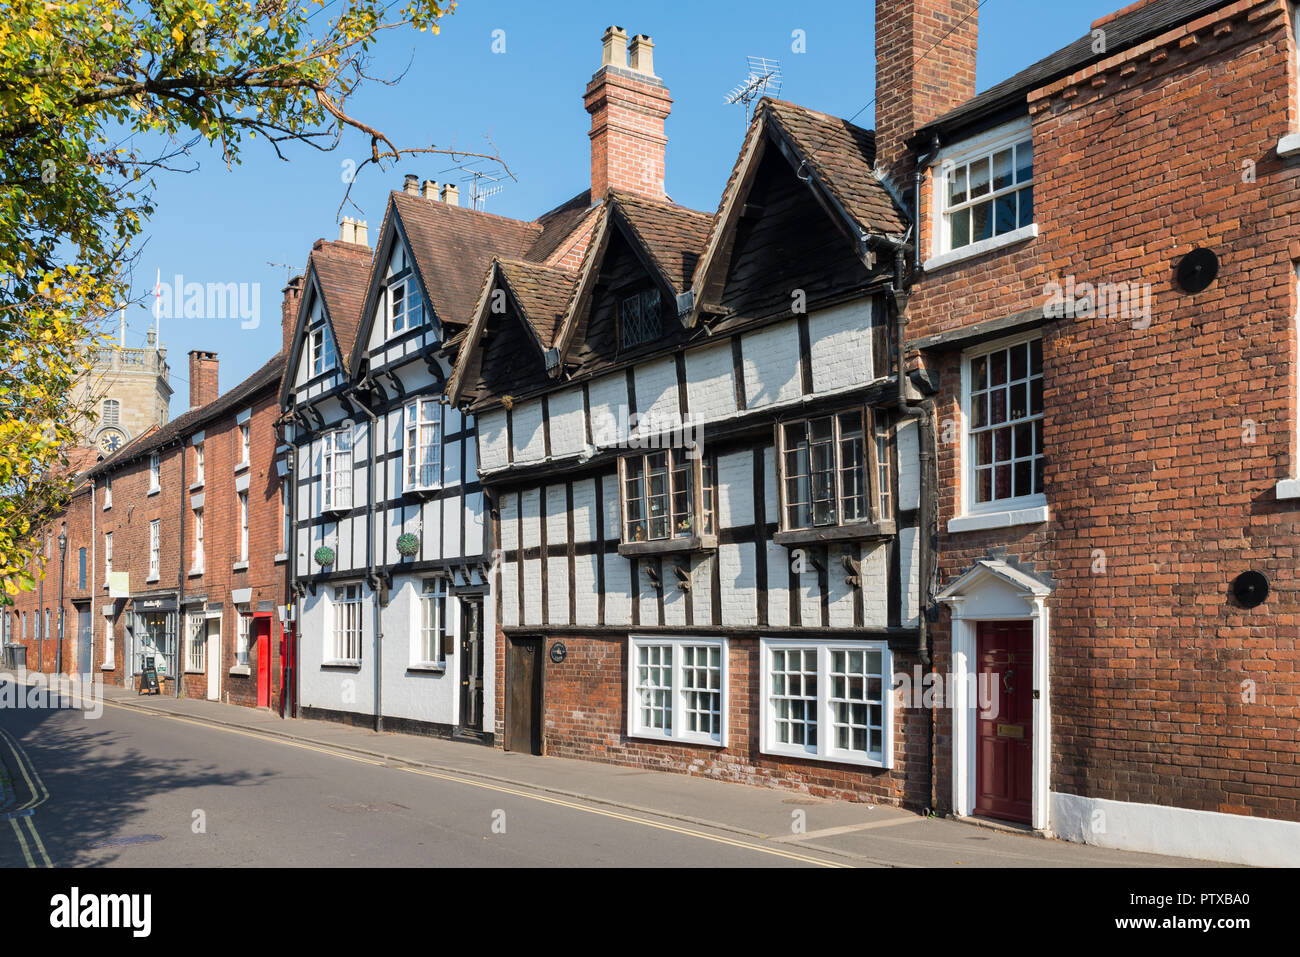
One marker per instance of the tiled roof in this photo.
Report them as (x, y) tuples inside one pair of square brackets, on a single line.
[(672, 235), (843, 156), (342, 270), (557, 225), (1124, 31), (267, 377), (543, 294), (453, 247)]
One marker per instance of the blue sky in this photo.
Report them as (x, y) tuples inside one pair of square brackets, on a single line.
[(256, 222)]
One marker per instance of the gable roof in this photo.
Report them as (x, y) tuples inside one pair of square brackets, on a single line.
[(558, 225), (671, 235), (1124, 30), (267, 377)]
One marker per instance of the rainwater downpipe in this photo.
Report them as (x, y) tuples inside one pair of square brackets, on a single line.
[(371, 575)]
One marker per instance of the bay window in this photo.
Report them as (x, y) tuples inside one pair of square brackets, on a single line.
[(423, 444), (678, 689), (336, 471), (827, 701)]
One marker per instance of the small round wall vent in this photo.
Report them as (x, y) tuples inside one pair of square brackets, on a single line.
[(1197, 270), (1250, 588)]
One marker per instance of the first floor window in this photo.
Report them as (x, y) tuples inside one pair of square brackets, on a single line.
[(108, 491), (1004, 415), (347, 623), (198, 463), (198, 539), (155, 472), (433, 621), (827, 700), (987, 195), (244, 445), (826, 467), (108, 556), (678, 689), (244, 625), (196, 642), (423, 443), (155, 546), (659, 496), (284, 507), (243, 526), (336, 470)]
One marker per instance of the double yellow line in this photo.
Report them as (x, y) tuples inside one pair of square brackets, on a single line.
[(37, 796), (514, 792)]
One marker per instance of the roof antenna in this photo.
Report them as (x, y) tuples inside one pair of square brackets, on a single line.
[(477, 179), (764, 79)]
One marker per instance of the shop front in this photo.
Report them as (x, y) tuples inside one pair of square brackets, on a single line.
[(153, 628)]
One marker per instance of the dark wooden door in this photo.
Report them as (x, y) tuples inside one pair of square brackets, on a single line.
[(1004, 742), (471, 663), (263, 629), (524, 695)]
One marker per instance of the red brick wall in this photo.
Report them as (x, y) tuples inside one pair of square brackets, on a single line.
[(584, 716), (1148, 466), (628, 142)]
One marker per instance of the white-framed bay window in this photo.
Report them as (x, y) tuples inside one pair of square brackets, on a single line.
[(344, 634), (1002, 434), (423, 429), (827, 700), (983, 195), (677, 689), (336, 470)]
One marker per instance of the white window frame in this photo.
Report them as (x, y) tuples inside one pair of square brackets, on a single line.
[(155, 549), (825, 749), (243, 629), (155, 472), (336, 463), (677, 691), (245, 444), (985, 145), (198, 540), (423, 458), (1026, 509), (339, 637), (408, 285), (108, 557), (431, 602), (1289, 488), (198, 463), (324, 355), (108, 492), (196, 643), (243, 525)]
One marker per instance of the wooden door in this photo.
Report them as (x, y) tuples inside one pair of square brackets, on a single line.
[(524, 695), (471, 663), (262, 626), (83, 641), (1004, 741)]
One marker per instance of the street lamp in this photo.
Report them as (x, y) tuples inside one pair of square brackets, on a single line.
[(63, 554)]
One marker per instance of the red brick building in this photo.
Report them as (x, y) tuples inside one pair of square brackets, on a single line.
[(175, 553)]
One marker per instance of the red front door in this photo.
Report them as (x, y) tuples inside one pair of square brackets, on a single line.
[(263, 627), (1004, 741)]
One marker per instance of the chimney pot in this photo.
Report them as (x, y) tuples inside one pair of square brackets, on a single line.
[(641, 54), (412, 184), (203, 377), (614, 47), (450, 194), (359, 228), (347, 230), (429, 189)]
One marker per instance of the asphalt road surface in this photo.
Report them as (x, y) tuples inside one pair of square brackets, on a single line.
[(136, 790)]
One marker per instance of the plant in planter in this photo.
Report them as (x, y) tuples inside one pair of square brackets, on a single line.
[(324, 555), (408, 544)]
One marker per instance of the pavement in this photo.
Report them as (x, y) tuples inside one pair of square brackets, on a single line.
[(653, 817)]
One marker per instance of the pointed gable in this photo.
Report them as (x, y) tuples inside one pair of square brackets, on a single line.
[(334, 289)]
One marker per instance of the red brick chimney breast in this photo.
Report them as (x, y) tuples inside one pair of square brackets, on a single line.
[(628, 106), (289, 312), (203, 378), (925, 66)]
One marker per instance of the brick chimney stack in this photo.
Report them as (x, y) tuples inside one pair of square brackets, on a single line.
[(628, 106), (203, 378), (289, 311), (925, 66)]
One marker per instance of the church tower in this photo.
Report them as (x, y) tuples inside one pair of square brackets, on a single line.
[(128, 391)]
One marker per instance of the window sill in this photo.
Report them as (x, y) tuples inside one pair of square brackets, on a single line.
[(349, 665), (427, 667), (151, 580), (805, 755), (241, 467), (1288, 489), (1289, 146), (1007, 519), (152, 491), (239, 567), (196, 486), (108, 666), (684, 742), (241, 671), (981, 248), (669, 546), (195, 572), (108, 506), (195, 671), (280, 558), (855, 531), (421, 491)]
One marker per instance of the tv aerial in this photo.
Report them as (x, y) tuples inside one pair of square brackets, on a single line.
[(763, 79), (481, 185)]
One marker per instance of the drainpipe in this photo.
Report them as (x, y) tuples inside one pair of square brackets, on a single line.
[(371, 575), (180, 588), (289, 654)]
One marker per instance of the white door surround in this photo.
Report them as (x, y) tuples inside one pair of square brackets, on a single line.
[(993, 590), (213, 631)]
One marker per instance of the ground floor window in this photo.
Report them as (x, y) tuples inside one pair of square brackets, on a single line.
[(155, 643), (346, 630), (432, 645), (678, 689), (245, 623), (827, 700), (196, 633)]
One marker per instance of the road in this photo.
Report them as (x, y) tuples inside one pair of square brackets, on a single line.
[(138, 790)]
